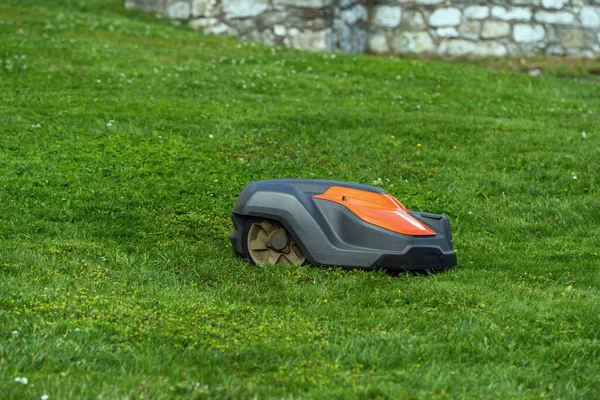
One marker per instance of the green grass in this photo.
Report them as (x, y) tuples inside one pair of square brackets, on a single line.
[(125, 140), (566, 67)]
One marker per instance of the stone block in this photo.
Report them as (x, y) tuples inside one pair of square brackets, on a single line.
[(266, 36), (484, 48), (201, 23), (301, 3), (447, 32), (512, 14), (477, 12), (429, 2), (244, 8), (272, 18), (315, 22), (445, 17), (554, 4), (590, 17), (245, 27), (219, 29), (524, 33), (557, 17), (156, 6), (490, 48), (355, 14), (412, 42), (457, 47), (470, 30), (346, 3), (413, 21), (311, 40), (584, 53), (378, 44), (591, 54), (525, 48), (204, 8), (348, 38), (387, 16), (573, 38), (179, 10), (495, 29), (555, 50), (530, 3), (279, 30)]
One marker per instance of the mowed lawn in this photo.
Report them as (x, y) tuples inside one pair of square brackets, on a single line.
[(125, 140)]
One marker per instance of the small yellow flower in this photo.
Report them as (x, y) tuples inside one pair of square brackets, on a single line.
[(393, 137), (454, 147), (418, 144), (325, 301)]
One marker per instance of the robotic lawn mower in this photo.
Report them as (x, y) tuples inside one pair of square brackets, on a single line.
[(325, 222)]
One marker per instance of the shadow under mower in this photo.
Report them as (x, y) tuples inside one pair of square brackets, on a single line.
[(326, 222)]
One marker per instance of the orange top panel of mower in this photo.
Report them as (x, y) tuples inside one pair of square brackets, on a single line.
[(382, 210)]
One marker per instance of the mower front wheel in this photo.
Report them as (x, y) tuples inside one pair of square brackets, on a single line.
[(267, 242)]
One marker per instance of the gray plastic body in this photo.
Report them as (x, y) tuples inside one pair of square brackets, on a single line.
[(328, 233)]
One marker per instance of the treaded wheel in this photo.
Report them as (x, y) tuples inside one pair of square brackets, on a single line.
[(267, 242)]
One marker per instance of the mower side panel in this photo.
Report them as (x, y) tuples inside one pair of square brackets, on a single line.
[(385, 248), (330, 234), (297, 212)]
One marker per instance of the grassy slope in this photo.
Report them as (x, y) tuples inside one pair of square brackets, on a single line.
[(115, 265)]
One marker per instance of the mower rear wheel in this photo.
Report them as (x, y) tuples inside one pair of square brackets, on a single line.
[(267, 242)]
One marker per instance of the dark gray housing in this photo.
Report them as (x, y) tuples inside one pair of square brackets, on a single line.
[(328, 233)]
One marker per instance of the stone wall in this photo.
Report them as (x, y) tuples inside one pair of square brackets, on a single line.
[(449, 28), (498, 28)]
